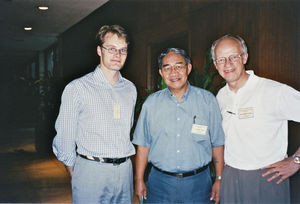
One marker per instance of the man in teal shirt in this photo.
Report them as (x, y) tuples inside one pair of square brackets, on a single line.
[(179, 131)]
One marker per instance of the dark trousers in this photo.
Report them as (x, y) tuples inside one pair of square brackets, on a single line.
[(163, 188)]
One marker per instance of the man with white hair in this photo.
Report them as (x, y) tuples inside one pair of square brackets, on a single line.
[(255, 113)]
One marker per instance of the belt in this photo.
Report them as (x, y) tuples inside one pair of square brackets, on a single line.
[(115, 161), (181, 175)]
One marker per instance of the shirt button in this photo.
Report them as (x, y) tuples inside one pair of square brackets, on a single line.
[(178, 104), (178, 135), (178, 151), (178, 118), (178, 167)]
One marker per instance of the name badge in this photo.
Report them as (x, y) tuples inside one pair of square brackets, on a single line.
[(245, 113), (117, 111), (199, 129)]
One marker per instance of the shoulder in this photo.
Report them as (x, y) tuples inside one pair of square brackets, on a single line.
[(82, 80), (269, 83), (156, 97), (221, 92), (78, 84), (129, 83), (202, 94), (201, 91), (130, 86)]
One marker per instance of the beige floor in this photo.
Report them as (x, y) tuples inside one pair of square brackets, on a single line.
[(28, 177)]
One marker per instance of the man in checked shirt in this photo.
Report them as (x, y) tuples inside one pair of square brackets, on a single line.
[(93, 126)]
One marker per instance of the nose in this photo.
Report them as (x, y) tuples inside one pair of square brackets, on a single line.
[(118, 53), (227, 62), (173, 70)]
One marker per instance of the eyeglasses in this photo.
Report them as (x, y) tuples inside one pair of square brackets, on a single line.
[(177, 67), (114, 51), (231, 58)]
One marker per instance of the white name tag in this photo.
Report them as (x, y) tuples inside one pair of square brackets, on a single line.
[(199, 129), (245, 113), (117, 111)]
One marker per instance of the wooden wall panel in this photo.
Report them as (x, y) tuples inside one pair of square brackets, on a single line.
[(279, 42), (269, 27)]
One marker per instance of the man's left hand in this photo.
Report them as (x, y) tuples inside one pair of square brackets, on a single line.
[(215, 194), (283, 169)]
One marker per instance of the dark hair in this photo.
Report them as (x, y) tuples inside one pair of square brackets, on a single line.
[(115, 29), (176, 50)]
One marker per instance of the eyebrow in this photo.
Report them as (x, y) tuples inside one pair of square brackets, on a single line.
[(109, 45), (165, 65)]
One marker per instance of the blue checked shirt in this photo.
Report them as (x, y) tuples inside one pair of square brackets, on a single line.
[(86, 121), (165, 126)]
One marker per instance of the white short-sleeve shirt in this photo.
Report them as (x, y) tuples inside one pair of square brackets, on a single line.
[(255, 121)]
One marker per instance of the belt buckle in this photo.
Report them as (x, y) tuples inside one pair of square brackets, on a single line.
[(115, 162), (179, 175)]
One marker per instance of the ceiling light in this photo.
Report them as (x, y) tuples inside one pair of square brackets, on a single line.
[(27, 28), (43, 8)]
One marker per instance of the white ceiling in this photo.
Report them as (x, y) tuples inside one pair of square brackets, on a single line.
[(17, 45)]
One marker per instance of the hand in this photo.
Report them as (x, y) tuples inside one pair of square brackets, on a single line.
[(215, 193), (140, 189), (70, 171), (284, 168)]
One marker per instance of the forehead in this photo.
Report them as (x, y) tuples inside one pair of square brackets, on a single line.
[(115, 40), (172, 58), (227, 46)]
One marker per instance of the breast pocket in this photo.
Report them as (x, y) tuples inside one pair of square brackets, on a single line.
[(200, 138), (200, 131)]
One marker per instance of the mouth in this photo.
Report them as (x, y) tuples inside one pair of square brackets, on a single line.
[(116, 61), (228, 71), (174, 79)]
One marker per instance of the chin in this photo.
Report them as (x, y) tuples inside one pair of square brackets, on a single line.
[(116, 68)]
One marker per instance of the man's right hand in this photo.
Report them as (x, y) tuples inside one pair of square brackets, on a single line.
[(70, 170), (140, 189)]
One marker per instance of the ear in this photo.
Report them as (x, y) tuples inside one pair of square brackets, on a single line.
[(245, 58), (159, 70), (99, 52), (215, 64), (189, 69)]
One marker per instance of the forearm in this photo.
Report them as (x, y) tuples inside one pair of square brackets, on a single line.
[(218, 159), (141, 162), (297, 153)]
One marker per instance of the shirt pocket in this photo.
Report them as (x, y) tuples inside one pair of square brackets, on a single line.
[(200, 138), (200, 133)]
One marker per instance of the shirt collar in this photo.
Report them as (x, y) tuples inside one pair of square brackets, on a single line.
[(100, 78), (250, 83), (183, 98)]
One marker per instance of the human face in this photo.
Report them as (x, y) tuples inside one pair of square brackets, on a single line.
[(108, 61), (176, 80), (233, 71)]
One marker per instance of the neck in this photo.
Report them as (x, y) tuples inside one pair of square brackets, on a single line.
[(111, 75), (236, 85), (179, 93)]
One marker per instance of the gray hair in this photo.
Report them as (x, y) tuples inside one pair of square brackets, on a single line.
[(236, 38), (176, 50)]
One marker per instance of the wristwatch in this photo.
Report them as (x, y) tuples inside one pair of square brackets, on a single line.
[(218, 177), (296, 159)]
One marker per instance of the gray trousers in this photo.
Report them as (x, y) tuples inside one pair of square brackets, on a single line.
[(101, 183), (241, 186)]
